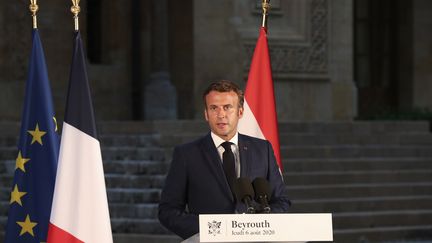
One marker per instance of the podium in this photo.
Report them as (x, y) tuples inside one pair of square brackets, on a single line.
[(264, 228)]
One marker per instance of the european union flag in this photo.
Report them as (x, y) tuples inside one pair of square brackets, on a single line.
[(36, 161)]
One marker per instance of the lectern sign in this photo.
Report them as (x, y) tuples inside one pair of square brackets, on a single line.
[(265, 227)]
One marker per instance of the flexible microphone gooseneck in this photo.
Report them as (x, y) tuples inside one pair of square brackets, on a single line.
[(262, 193), (244, 193)]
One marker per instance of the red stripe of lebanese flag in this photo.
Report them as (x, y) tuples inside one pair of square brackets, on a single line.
[(259, 117)]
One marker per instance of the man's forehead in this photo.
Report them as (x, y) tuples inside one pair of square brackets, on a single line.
[(222, 97)]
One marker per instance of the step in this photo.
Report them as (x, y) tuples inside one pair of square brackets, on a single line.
[(295, 139), (135, 167), (363, 176), (358, 163), (353, 220), (129, 140), (137, 226), (417, 233), (360, 204), (136, 210), (3, 222), (6, 180), (133, 153), (356, 127), (132, 196), (134, 181), (5, 192), (358, 190), (145, 238), (8, 153), (149, 127), (354, 151), (4, 208), (9, 141), (7, 166), (10, 128)]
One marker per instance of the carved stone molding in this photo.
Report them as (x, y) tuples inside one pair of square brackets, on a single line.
[(306, 59)]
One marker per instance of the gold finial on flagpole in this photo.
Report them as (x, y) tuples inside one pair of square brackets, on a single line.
[(265, 8), (75, 9), (33, 9)]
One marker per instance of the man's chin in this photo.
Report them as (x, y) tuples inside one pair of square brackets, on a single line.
[(224, 135)]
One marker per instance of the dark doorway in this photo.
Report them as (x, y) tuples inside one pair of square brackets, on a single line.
[(376, 56)]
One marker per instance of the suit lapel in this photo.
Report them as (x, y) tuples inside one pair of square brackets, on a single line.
[(243, 145), (214, 162)]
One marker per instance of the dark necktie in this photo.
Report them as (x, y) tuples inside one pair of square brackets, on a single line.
[(229, 164)]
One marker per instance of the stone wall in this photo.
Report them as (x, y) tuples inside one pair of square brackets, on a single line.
[(422, 54), (110, 81), (310, 44)]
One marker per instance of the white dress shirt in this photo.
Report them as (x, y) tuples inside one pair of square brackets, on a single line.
[(234, 147)]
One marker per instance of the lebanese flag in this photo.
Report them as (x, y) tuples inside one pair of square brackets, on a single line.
[(80, 207), (259, 116)]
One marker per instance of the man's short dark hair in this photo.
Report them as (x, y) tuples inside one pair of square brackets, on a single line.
[(224, 86)]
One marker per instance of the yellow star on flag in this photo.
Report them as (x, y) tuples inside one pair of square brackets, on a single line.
[(16, 195), (37, 135), (20, 162), (27, 226)]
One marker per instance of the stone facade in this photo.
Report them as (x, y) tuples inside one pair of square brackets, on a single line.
[(311, 45)]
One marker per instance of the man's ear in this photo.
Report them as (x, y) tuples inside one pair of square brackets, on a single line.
[(240, 112), (205, 114)]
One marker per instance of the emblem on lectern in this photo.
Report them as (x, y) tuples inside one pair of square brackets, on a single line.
[(214, 227)]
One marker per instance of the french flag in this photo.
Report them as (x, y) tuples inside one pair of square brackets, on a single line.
[(259, 116), (80, 206)]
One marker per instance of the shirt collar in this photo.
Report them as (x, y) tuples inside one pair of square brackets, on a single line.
[(218, 141)]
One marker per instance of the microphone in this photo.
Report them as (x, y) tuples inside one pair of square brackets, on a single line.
[(244, 193), (262, 193)]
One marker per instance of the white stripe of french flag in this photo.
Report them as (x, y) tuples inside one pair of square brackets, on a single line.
[(80, 208)]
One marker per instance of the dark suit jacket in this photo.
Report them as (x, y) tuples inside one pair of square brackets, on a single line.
[(196, 183)]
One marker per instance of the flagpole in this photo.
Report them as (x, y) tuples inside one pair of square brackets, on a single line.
[(33, 9), (265, 8), (75, 9)]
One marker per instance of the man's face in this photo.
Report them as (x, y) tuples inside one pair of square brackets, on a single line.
[(222, 112)]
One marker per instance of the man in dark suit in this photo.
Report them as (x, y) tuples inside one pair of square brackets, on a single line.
[(197, 182)]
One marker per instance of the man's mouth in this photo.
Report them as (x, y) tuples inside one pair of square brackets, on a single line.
[(221, 124)]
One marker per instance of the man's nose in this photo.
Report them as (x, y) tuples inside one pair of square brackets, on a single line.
[(221, 113)]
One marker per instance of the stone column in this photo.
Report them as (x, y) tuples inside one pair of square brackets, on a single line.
[(160, 95)]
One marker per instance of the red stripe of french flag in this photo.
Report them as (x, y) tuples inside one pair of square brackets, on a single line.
[(59, 235), (259, 117)]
